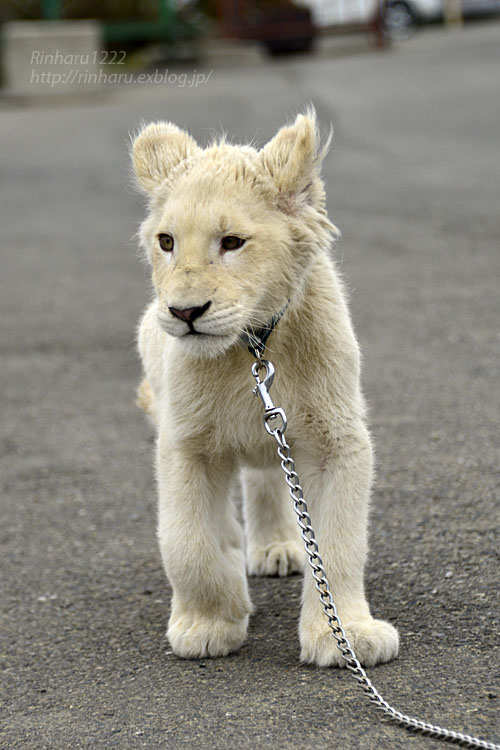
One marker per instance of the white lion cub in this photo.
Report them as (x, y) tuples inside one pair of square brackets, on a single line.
[(236, 236)]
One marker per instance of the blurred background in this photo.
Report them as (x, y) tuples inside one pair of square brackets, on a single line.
[(412, 90), (190, 29)]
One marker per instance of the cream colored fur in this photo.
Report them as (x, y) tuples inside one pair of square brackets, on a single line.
[(199, 388)]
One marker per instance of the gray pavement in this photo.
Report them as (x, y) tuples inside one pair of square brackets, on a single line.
[(413, 185)]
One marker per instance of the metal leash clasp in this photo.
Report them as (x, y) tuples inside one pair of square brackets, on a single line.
[(272, 412)]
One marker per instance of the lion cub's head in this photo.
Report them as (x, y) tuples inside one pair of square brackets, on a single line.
[(231, 230)]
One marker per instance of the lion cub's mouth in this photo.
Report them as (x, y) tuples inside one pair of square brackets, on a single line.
[(170, 326), (195, 332), (204, 334), (210, 336)]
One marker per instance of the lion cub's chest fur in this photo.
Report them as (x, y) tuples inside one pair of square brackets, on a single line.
[(207, 405)]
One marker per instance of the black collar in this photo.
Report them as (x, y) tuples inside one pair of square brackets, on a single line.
[(256, 340)]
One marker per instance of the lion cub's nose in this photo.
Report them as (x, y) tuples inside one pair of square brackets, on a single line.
[(190, 313)]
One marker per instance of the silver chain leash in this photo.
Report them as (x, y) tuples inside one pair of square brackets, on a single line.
[(275, 423)]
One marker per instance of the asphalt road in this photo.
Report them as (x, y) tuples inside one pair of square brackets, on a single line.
[(413, 185)]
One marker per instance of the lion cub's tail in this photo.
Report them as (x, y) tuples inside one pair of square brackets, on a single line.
[(146, 399)]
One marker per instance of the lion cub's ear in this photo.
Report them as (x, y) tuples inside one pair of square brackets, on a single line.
[(158, 148), (293, 161)]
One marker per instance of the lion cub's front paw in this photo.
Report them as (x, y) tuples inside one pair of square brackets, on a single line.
[(196, 637), (373, 641), (277, 559)]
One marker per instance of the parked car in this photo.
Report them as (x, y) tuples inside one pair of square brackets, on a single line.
[(399, 18)]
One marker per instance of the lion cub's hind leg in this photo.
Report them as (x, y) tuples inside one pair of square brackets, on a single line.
[(145, 399), (273, 543)]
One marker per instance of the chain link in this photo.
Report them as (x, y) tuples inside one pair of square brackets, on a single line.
[(272, 415)]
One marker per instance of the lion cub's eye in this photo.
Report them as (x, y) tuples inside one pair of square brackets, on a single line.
[(232, 243), (166, 242)]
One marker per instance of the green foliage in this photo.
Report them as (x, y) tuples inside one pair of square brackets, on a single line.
[(106, 10)]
